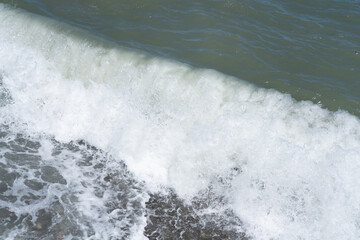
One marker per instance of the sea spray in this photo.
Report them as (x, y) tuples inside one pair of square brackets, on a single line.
[(287, 169)]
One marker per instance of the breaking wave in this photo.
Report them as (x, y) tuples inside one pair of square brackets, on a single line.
[(284, 169)]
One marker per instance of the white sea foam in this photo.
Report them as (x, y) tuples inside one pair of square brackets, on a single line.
[(182, 127)]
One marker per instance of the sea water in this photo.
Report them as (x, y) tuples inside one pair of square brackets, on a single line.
[(179, 120)]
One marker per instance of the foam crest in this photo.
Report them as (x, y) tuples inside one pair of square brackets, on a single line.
[(286, 167)]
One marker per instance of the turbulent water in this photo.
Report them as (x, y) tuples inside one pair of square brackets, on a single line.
[(179, 120)]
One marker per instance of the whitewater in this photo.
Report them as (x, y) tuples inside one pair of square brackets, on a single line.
[(252, 161)]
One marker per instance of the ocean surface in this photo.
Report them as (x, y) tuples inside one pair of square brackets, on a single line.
[(183, 119)]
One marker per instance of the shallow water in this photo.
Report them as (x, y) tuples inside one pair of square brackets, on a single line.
[(106, 138), (71, 192)]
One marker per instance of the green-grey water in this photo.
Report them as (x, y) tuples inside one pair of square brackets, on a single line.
[(309, 49), (176, 119)]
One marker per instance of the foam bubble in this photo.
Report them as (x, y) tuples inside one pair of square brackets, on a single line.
[(51, 190), (290, 168)]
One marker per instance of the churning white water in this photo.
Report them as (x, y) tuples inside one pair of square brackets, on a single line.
[(289, 170)]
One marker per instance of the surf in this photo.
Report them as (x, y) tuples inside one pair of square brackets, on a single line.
[(284, 167)]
